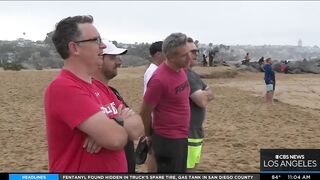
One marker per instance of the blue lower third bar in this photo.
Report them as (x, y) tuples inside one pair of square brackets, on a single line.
[(33, 176)]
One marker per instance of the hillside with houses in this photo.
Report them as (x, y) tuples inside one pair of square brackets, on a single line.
[(42, 54)]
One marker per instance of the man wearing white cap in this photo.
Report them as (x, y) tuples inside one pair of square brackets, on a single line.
[(107, 71), (111, 62)]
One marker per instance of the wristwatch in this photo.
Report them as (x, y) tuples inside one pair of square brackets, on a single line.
[(118, 120)]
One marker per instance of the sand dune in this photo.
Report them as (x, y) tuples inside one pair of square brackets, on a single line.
[(237, 126)]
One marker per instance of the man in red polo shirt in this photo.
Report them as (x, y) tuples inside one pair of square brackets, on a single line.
[(77, 107)]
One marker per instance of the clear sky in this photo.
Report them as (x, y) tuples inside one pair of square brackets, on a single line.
[(219, 22)]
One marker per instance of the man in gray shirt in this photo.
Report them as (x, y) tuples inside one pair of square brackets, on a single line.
[(200, 96)]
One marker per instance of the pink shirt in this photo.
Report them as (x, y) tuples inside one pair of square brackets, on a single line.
[(68, 102), (169, 91)]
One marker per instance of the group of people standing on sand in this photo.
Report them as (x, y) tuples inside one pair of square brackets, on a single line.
[(91, 128)]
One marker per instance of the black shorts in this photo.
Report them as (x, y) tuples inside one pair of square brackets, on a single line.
[(131, 160), (171, 154)]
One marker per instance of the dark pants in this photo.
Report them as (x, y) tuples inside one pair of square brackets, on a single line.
[(129, 150), (171, 154), (210, 60), (204, 61)]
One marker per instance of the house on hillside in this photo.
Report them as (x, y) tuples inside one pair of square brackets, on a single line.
[(8, 57)]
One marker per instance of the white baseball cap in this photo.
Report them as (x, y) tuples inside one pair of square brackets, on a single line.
[(111, 49)]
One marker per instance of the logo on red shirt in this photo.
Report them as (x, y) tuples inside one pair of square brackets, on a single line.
[(181, 87), (109, 109)]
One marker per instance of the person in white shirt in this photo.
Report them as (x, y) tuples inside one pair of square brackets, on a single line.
[(157, 58)]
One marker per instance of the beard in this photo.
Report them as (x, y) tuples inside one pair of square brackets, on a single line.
[(110, 74)]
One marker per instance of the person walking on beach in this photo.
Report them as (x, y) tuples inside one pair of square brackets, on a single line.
[(200, 96), (261, 63), (204, 58), (211, 54), (270, 80), (247, 58), (78, 107), (108, 70), (166, 103), (157, 59)]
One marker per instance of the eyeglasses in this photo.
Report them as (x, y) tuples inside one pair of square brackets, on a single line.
[(97, 40), (195, 51)]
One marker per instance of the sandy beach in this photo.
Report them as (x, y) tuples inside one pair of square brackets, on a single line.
[(238, 122)]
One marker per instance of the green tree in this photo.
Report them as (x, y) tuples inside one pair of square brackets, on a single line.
[(48, 39), (115, 43), (44, 52), (6, 47), (24, 53)]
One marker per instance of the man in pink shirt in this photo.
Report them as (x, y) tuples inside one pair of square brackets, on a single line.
[(167, 97), (78, 108)]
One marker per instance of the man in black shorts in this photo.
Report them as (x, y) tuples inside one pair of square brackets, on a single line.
[(167, 100)]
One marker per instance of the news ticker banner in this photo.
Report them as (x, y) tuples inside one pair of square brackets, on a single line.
[(231, 176), (202, 176), (275, 164)]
